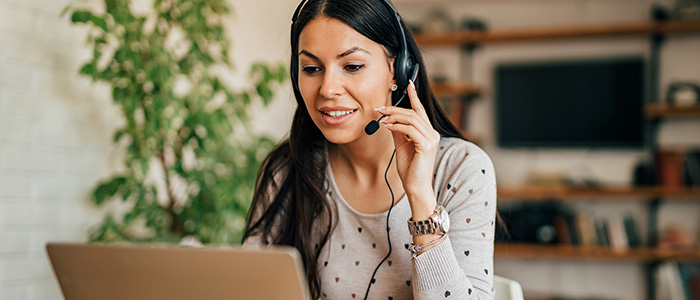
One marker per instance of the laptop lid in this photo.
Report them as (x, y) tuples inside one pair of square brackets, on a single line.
[(93, 271)]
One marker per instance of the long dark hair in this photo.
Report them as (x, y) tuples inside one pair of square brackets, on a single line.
[(290, 204)]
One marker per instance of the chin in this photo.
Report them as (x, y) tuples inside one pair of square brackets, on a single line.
[(339, 136), (342, 134), (340, 139)]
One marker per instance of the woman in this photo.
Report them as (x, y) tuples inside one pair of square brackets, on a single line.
[(329, 190)]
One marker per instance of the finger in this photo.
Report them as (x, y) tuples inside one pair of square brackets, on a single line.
[(408, 132), (393, 115), (408, 118), (393, 111), (389, 110), (398, 137), (415, 100)]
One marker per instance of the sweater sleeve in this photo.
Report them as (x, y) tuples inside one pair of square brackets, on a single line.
[(461, 267)]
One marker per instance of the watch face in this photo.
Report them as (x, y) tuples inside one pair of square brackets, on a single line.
[(445, 220)]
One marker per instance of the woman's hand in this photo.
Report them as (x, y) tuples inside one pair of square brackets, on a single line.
[(416, 144)]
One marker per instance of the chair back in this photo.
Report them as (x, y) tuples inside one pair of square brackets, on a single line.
[(507, 289)]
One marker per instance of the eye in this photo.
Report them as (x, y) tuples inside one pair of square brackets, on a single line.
[(310, 70), (354, 68)]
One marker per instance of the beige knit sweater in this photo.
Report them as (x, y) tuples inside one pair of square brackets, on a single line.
[(461, 267)]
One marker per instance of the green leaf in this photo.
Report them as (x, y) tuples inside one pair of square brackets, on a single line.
[(265, 93), (245, 98), (108, 189), (282, 73), (90, 70), (81, 16), (118, 135), (65, 10), (108, 231), (99, 22), (132, 215)]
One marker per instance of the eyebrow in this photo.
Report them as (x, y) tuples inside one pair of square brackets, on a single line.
[(346, 53)]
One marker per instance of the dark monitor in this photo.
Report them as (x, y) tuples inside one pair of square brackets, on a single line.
[(573, 104)]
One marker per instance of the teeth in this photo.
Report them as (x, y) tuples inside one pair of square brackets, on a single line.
[(338, 113)]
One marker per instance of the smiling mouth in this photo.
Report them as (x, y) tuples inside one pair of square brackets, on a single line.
[(338, 113)]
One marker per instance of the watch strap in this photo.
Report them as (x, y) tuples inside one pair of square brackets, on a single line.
[(429, 226), (422, 227)]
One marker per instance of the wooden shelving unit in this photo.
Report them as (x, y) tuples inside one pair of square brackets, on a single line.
[(455, 97), (461, 92), (569, 193), (594, 253), (455, 89), (557, 33), (666, 111)]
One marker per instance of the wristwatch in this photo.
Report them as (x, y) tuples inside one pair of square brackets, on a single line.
[(437, 223)]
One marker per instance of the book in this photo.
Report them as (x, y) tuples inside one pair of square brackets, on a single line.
[(561, 226), (669, 282), (601, 229), (633, 238), (690, 279), (616, 233), (692, 168), (573, 233), (695, 286), (585, 229)]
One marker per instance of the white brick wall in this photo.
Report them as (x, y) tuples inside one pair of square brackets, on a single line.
[(56, 129), (55, 142)]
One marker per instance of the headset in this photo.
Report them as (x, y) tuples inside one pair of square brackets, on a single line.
[(406, 67)]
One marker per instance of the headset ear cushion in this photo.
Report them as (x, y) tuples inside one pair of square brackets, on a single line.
[(403, 70)]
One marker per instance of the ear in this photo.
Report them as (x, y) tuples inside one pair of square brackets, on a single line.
[(392, 71)]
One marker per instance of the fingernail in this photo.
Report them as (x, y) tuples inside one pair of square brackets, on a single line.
[(413, 86), (389, 125), (380, 108)]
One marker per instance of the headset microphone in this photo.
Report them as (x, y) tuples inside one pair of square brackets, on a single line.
[(373, 126)]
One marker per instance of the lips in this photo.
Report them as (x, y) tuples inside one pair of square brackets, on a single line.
[(336, 115)]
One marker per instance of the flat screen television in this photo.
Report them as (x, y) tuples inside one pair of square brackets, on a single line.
[(571, 104)]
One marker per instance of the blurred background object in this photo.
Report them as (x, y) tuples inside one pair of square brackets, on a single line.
[(683, 93), (437, 20), (687, 10)]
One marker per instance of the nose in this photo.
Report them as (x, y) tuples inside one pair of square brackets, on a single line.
[(332, 85)]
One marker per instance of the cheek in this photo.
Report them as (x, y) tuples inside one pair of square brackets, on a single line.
[(308, 92), (376, 92)]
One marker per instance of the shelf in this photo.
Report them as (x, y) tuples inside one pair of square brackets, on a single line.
[(454, 89), (665, 111), (557, 33), (538, 193), (593, 253)]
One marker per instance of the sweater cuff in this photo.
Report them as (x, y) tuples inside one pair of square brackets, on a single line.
[(436, 266)]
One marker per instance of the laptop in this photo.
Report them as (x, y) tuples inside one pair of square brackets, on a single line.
[(108, 272)]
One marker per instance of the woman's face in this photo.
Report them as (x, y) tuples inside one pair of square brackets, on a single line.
[(343, 76)]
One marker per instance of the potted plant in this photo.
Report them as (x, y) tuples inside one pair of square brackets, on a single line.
[(190, 156)]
